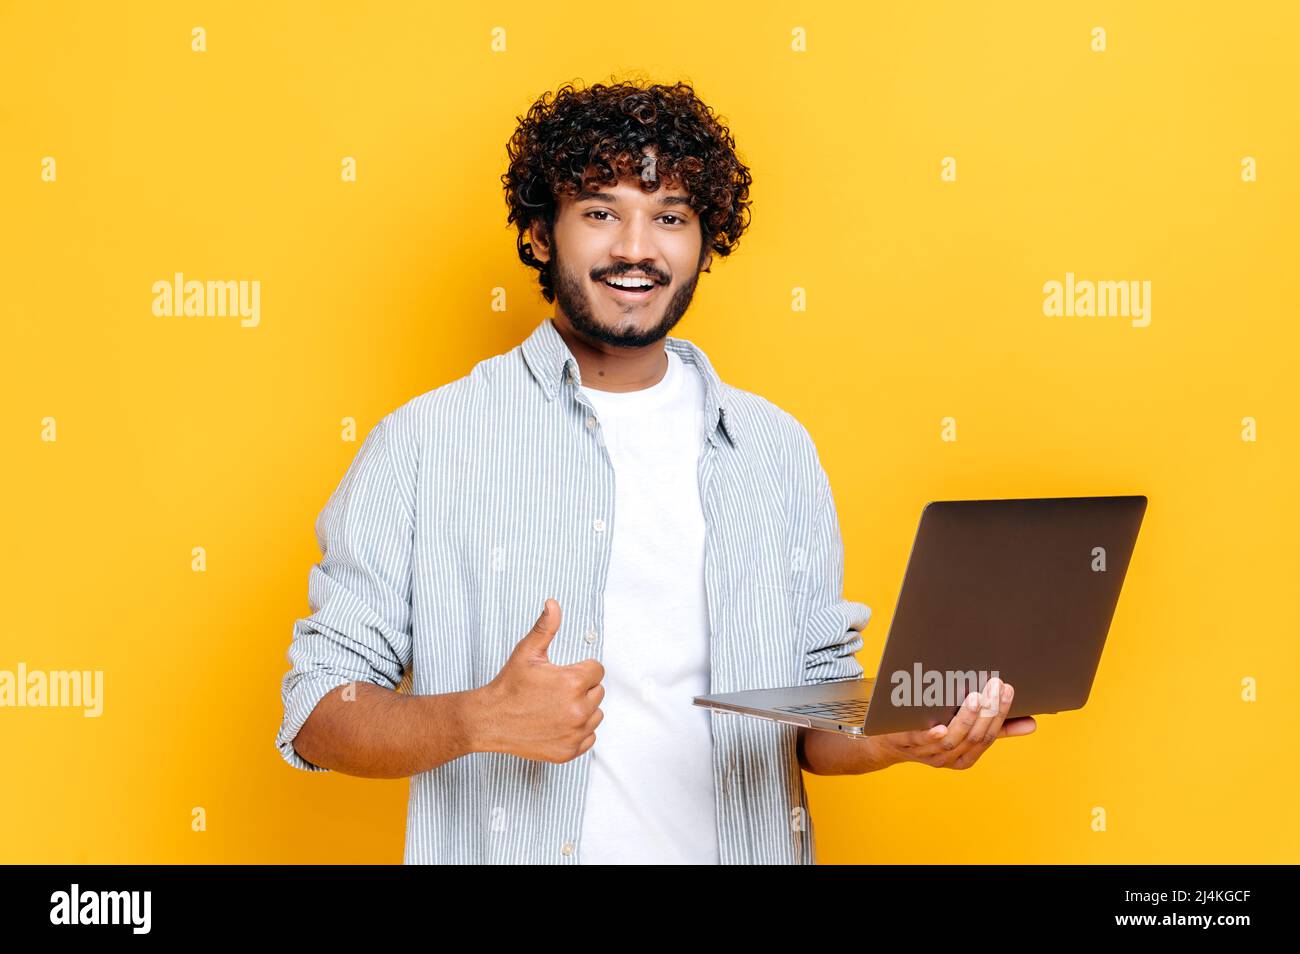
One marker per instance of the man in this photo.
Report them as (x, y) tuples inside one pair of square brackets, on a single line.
[(563, 547)]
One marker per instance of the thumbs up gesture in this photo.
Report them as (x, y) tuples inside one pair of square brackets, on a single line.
[(536, 709)]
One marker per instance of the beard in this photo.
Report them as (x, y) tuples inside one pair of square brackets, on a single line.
[(574, 294)]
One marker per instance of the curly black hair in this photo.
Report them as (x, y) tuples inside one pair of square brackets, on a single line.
[(612, 129)]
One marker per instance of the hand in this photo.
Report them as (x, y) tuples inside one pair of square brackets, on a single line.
[(535, 709), (960, 743)]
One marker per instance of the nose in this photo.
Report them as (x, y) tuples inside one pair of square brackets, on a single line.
[(633, 242)]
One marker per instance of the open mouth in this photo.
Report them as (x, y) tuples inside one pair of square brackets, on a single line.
[(630, 293)]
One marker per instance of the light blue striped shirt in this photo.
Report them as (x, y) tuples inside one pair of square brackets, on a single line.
[(469, 505)]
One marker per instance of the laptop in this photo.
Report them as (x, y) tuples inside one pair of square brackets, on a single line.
[(1022, 589)]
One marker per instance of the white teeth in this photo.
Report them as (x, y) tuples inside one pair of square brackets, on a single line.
[(630, 282)]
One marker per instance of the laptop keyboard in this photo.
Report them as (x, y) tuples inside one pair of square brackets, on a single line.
[(847, 710)]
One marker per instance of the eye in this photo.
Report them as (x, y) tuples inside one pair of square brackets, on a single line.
[(677, 219)]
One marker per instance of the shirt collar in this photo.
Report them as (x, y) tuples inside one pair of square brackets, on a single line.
[(554, 366)]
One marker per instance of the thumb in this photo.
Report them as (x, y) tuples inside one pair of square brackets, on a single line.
[(537, 639), (1021, 725)]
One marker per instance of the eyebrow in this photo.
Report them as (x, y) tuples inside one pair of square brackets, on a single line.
[(610, 197)]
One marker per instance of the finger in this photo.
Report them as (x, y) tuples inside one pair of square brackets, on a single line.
[(922, 744), (1021, 725), (934, 747), (965, 759), (990, 700), (986, 729), (1000, 713), (968, 754), (591, 669), (961, 724), (919, 739), (1008, 696)]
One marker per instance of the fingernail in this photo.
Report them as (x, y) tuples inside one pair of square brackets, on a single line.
[(973, 701), (1006, 693)]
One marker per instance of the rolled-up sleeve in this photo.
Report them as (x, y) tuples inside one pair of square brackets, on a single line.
[(359, 593), (833, 629)]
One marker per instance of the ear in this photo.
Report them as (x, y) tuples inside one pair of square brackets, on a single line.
[(539, 240)]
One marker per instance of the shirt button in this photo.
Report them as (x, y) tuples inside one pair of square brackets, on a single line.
[(599, 525), (590, 636), (566, 848), (591, 422)]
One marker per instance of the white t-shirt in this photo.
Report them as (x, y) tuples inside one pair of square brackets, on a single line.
[(650, 798)]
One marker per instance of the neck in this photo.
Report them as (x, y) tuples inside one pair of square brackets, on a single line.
[(608, 367)]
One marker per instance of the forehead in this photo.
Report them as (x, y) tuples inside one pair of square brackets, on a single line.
[(629, 190)]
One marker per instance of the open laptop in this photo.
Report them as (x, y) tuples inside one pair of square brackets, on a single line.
[(1024, 589)]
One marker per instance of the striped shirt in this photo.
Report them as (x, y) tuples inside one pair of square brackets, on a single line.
[(469, 505)]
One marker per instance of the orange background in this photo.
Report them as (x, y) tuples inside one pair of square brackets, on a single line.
[(924, 302)]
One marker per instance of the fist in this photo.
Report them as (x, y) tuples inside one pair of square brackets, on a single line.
[(538, 710)]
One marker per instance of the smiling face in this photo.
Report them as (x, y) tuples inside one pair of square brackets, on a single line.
[(621, 233)]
